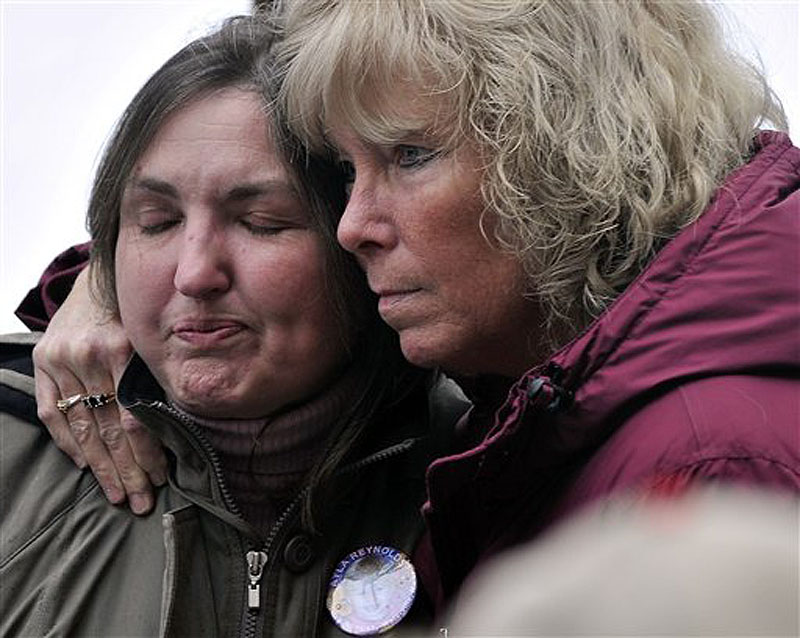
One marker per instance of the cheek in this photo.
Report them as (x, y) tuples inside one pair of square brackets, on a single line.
[(291, 283), (301, 316), (126, 265), (313, 300), (455, 251), (447, 220), (140, 282)]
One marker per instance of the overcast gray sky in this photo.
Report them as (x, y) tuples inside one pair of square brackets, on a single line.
[(68, 68)]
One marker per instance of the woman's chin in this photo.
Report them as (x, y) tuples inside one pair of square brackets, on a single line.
[(425, 350), (210, 394)]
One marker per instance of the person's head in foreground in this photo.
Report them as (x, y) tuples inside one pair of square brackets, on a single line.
[(690, 566), (515, 165)]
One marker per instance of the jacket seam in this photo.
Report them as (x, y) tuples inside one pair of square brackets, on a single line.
[(53, 521), (690, 417), (712, 236), (707, 459)]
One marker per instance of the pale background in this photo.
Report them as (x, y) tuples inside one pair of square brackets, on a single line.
[(68, 69)]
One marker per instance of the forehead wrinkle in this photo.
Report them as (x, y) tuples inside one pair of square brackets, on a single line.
[(153, 185), (382, 125), (245, 191)]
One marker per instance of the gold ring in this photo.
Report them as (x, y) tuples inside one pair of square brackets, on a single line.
[(91, 401), (65, 404)]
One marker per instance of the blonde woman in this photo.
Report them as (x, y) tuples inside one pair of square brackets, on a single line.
[(576, 197)]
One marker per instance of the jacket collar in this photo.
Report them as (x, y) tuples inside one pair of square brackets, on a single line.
[(395, 431)]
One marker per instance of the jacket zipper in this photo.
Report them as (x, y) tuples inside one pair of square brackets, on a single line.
[(255, 570), (257, 559), (209, 451)]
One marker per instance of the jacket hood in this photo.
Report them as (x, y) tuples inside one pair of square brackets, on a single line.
[(722, 298)]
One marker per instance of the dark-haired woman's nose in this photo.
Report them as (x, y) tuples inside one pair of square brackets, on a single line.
[(203, 268)]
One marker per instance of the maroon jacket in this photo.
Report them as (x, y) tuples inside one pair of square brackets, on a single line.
[(693, 374), (41, 302)]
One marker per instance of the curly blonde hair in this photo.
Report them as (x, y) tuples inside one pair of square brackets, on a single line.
[(606, 126)]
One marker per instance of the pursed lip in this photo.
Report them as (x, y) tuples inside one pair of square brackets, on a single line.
[(389, 297), (206, 332)]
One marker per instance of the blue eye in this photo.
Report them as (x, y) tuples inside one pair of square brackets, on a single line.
[(409, 156)]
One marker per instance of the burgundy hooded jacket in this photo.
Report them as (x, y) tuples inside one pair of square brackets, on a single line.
[(693, 374)]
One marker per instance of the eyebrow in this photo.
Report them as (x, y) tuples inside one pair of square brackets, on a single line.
[(238, 193), (156, 186), (248, 191)]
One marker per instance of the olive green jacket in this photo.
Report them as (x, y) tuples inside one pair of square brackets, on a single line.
[(71, 564)]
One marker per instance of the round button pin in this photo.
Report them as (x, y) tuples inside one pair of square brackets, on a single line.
[(371, 590)]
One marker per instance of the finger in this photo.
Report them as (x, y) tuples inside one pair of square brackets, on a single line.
[(135, 480), (147, 450), (106, 446), (55, 421), (86, 433)]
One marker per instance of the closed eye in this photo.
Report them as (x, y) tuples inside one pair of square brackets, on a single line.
[(260, 224), (156, 229), (154, 221)]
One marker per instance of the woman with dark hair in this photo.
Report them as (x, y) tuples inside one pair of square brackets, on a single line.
[(295, 433)]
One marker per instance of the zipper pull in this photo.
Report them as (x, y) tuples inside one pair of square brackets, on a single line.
[(255, 570)]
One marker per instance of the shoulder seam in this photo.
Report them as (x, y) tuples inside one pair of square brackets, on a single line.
[(32, 539), (18, 381), (727, 458)]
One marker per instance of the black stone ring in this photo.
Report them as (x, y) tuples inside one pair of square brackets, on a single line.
[(92, 401)]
